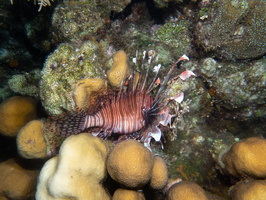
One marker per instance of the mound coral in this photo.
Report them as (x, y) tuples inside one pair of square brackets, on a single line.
[(186, 190), (159, 175), (247, 158), (30, 140), (130, 163), (249, 190), (15, 112), (124, 194), (17, 182), (77, 171), (119, 70)]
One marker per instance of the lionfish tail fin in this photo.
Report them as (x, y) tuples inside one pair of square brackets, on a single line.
[(69, 123)]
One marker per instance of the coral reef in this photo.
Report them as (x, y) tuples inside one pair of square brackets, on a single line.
[(77, 171), (30, 140), (17, 182), (246, 158), (248, 190), (15, 112), (233, 29), (63, 69), (223, 104), (130, 163), (186, 190)]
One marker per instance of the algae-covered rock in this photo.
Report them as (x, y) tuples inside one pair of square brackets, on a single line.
[(176, 35), (233, 29), (236, 85), (26, 84), (111, 5), (169, 40), (76, 21), (63, 69)]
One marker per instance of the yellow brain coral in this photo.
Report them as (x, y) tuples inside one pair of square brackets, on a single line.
[(249, 190), (186, 190), (124, 194), (159, 176), (247, 158), (15, 112), (30, 140), (130, 163), (120, 69), (77, 172)]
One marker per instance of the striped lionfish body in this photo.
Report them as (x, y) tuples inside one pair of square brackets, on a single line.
[(133, 113), (124, 115)]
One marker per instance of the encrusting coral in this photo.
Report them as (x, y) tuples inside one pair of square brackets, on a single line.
[(130, 163), (247, 158), (186, 190), (125, 194), (16, 182), (15, 112), (30, 140), (77, 171)]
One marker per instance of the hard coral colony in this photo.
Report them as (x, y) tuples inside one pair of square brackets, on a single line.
[(135, 111)]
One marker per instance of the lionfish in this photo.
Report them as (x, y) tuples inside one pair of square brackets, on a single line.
[(135, 112)]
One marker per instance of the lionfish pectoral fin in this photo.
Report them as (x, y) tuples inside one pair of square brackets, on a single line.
[(186, 74), (156, 134)]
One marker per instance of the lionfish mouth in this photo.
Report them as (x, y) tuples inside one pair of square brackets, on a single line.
[(135, 111)]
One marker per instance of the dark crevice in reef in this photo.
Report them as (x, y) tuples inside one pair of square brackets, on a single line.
[(158, 15)]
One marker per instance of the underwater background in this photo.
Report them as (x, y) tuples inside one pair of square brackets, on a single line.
[(51, 53)]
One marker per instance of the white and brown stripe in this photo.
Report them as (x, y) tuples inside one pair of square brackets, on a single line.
[(124, 115)]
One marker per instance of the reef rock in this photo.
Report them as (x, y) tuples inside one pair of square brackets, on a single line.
[(233, 29), (63, 69)]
